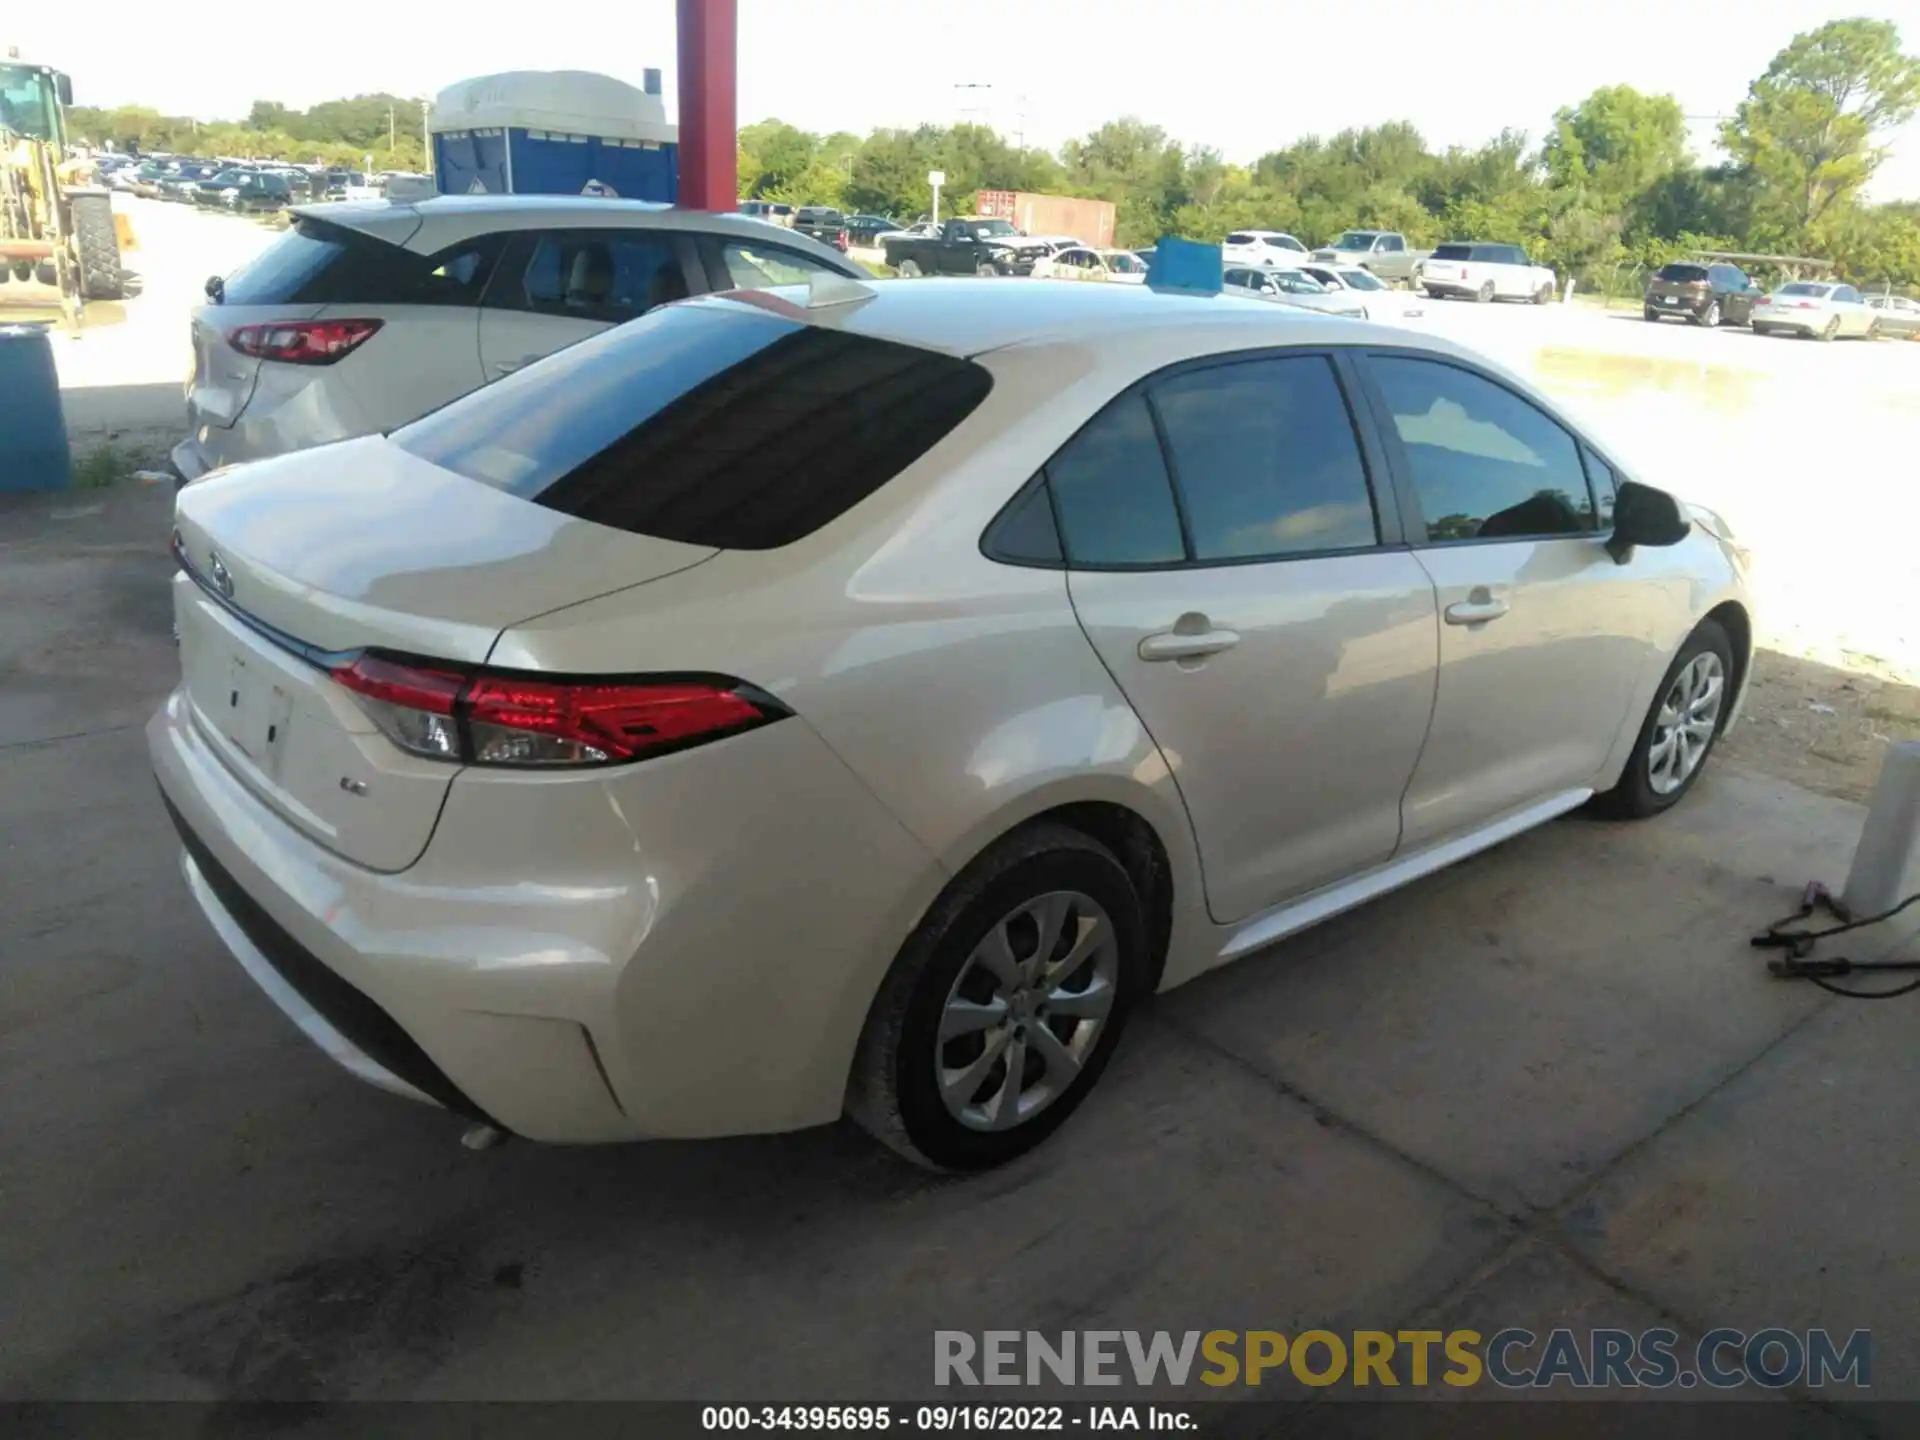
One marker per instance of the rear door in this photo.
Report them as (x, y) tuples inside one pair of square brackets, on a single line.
[(1543, 636), (555, 287), (1243, 588)]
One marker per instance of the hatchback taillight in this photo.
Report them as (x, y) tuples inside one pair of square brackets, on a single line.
[(303, 342), (492, 717)]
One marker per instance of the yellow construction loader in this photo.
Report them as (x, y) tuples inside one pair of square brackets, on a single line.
[(51, 228)]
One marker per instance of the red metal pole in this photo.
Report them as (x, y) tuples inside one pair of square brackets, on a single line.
[(708, 44)]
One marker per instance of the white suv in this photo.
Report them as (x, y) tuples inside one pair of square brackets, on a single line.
[(365, 316), (1263, 247), (1485, 272)]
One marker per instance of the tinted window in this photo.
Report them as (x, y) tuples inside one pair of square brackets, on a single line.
[(1684, 274), (1605, 482), (1393, 243), (1239, 237), (1453, 252), (752, 266), (1484, 462), (1025, 532), (716, 424), (1803, 287), (1265, 459), (1111, 490), (597, 275), (317, 263), (1846, 292)]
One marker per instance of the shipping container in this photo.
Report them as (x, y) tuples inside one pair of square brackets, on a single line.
[(1088, 221)]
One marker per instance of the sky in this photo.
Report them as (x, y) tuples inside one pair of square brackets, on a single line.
[(1242, 77)]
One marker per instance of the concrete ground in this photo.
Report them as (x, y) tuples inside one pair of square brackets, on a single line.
[(1549, 1087)]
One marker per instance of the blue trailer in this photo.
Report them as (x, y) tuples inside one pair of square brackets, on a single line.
[(555, 132)]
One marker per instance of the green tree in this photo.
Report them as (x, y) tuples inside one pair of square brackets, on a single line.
[(1615, 145), (1806, 135)]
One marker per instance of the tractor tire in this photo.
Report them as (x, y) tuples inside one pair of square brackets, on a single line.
[(99, 246), (23, 270), (46, 274)]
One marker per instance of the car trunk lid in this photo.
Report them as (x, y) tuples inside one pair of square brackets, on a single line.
[(290, 578)]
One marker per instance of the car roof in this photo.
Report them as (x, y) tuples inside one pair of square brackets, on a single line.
[(430, 223), (969, 317)]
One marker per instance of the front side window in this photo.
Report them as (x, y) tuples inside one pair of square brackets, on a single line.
[(1111, 491), (1265, 459), (756, 267), (1485, 463), (1846, 292), (714, 424)]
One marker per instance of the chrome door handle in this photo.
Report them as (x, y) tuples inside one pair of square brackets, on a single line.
[(1183, 645), (1476, 609)]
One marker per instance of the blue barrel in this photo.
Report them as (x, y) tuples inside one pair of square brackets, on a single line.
[(33, 430)]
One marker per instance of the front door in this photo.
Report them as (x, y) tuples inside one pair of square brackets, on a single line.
[(1236, 587), (1543, 636)]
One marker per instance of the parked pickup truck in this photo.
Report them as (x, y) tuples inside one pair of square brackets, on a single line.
[(1379, 252), (971, 246), (821, 223)]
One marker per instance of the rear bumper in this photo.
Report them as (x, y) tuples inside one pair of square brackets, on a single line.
[(668, 950), (1802, 323), (1680, 305)]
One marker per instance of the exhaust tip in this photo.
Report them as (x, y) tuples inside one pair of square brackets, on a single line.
[(484, 1137)]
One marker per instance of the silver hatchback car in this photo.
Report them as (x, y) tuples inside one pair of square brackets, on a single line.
[(857, 698)]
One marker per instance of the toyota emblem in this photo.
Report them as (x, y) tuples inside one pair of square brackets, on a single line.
[(222, 577)]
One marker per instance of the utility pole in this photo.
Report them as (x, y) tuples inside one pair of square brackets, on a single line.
[(390, 141)]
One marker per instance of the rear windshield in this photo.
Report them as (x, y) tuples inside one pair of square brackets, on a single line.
[(1454, 252), (1802, 287), (319, 263), (714, 424), (1355, 240), (1683, 273)]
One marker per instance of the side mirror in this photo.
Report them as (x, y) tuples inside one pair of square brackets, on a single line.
[(216, 289), (1643, 515), (63, 86)]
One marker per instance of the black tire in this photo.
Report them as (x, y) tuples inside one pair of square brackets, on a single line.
[(1485, 293), (1635, 797), (1831, 331), (1544, 295), (986, 271), (23, 270), (909, 270), (1653, 316), (99, 247), (46, 272), (1709, 317), (893, 1092)]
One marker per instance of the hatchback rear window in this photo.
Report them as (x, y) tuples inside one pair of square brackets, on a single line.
[(319, 263), (713, 424), (1685, 274)]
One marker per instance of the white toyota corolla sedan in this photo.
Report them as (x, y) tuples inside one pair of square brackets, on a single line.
[(856, 700)]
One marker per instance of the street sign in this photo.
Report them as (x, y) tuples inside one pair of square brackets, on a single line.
[(936, 178)]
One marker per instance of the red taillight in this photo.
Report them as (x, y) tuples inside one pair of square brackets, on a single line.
[(303, 342), (495, 718)]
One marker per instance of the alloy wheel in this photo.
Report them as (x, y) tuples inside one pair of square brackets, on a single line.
[(1688, 718), (1026, 1010)]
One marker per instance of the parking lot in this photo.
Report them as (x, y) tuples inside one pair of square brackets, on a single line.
[(1551, 1086)]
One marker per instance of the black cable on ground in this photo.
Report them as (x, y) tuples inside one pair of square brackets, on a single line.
[(1799, 964)]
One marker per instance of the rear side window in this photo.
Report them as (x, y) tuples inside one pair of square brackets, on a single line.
[(1111, 490), (1239, 238), (715, 424), (609, 275), (319, 263), (1265, 459)]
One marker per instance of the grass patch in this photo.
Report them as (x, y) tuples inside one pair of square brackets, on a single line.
[(103, 466)]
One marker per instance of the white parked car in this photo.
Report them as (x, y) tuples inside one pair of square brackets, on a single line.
[(1897, 315), (1381, 300), (364, 316), (1815, 308), (863, 696), (1483, 272), (1081, 262), (1293, 287), (1262, 247)]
